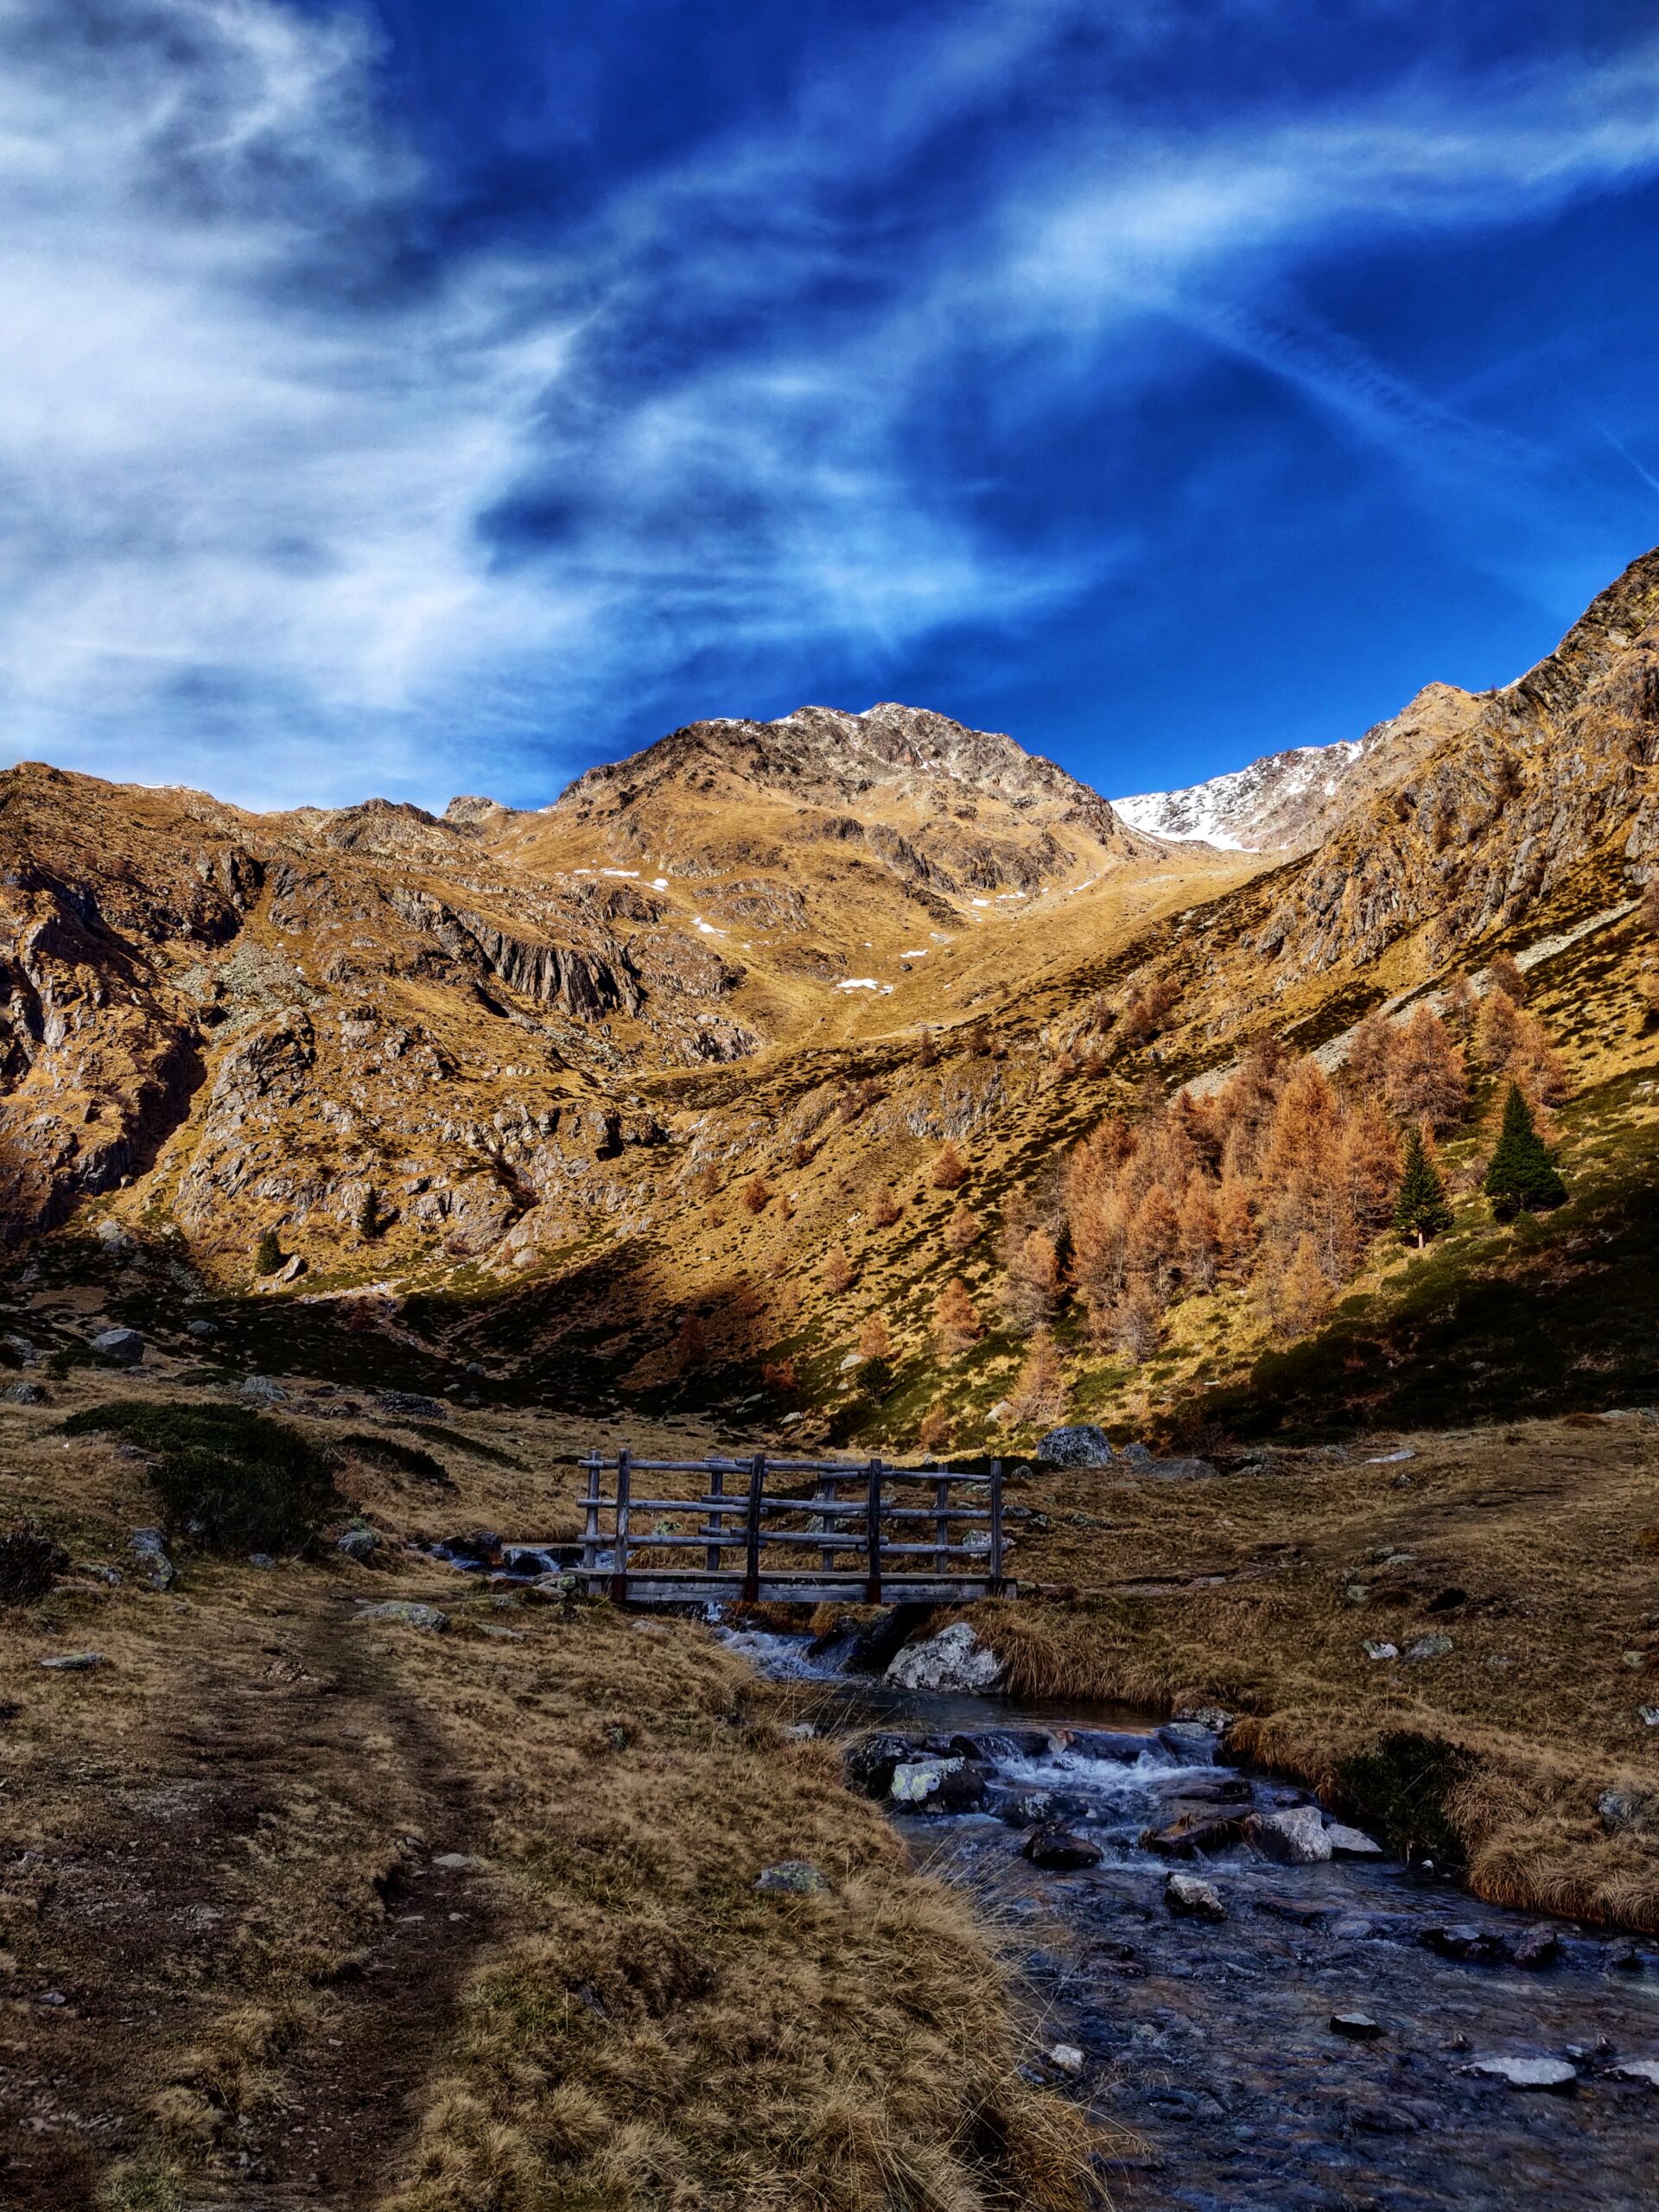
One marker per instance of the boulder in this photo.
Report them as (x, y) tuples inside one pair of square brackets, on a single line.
[(1065, 2058), (1189, 1898), (954, 1662), (1359, 2027), (201, 1330), (406, 1612), (124, 1346), (1462, 1939), (153, 1568), (28, 1351), (792, 1877), (1295, 1837), (1527, 2073), (262, 1390), (1059, 1851), (73, 1662), (1189, 1740), (1115, 1743), (359, 1544), (914, 1781), (1349, 1843), (291, 1269), (1375, 1650), (1190, 1832), (24, 1394), (1216, 1718), (1639, 2069), (868, 1763), (482, 1548), (1080, 1446)]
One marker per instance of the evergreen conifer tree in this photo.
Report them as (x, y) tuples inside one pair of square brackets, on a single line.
[(1419, 1207), (1521, 1178), (368, 1217), (268, 1253)]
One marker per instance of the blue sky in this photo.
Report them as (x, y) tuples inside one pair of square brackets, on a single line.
[(417, 398)]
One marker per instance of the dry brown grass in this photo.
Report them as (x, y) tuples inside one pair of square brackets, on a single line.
[(621, 2019)]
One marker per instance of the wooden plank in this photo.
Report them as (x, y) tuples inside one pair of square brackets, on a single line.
[(692, 1587), (620, 1557), (810, 1505)]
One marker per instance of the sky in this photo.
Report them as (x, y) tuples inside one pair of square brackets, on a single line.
[(410, 399)]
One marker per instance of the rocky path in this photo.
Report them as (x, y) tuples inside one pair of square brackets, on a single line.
[(241, 1944)]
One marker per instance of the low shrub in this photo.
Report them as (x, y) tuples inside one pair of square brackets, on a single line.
[(1403, 1785), (398, 1459), (29, 1560), (233, 1479)]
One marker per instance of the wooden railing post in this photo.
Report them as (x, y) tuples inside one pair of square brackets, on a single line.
[(752, 1562), (942, 1525), (620, 1557), (997, 1527), (590, 1525), (872, 1535)]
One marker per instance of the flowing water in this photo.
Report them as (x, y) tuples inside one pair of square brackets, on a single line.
[(1211, 2043)]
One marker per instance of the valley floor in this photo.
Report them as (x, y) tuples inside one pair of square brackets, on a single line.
[(306, 1910)]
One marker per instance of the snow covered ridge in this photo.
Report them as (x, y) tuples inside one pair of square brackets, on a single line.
[(1273, 801)]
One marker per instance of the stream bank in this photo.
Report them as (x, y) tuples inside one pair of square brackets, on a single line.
[(1213, 2039)]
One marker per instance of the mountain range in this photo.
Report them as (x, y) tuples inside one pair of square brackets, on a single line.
[(517, 1056)]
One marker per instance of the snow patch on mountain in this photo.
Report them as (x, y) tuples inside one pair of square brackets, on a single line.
[(1273, 802)]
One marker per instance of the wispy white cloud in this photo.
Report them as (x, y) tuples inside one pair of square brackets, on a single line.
[(290, 507)]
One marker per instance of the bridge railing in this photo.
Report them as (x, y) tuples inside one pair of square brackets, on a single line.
[(804, 1530)]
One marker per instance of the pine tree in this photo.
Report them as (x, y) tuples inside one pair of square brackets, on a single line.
[(368, 1217), (1419, 1208), (268, 1253), (1521, 1178), (962, 1230), (1039, 1393), (839, 1272), (884, 1208), (875, 1338), (949, 1170)]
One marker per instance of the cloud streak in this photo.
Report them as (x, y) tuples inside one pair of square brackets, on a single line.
[(296, 505)]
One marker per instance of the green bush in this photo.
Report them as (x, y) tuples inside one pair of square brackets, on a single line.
[(232, 1479), (267, 1254), (1401, 1785), (29, 1560), (401, 1458)]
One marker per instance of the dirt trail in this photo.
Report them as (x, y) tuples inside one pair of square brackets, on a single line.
[(229, 1850)]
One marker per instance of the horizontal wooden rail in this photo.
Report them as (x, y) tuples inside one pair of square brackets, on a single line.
[(884, 1543)]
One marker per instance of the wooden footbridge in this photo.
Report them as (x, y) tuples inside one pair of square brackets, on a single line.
[(804, 1531)]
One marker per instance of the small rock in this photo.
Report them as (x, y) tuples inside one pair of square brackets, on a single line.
[(915, 1780), (1189, 1739), (1293, 1838), (1639, 2069), (1381, 1650), (1462, 1941), (502, 1635), (1535, 1947), (1389, 1458), (1619, 1808), (201, 1330), (1349, 1843), (291, 1269), (406, 1612), (1527, 2073), (1138, 1453), (954, 1662), (1360, 2025), (113, 1237), (260, 1560), (1067, 2058), (410, 1405), (1216, 1718), (1189, 1898), (1190, 1832), (24, 1394), (793, 1878), (73, 1662), (869, 1763), (1081, 1444), (1429, 1647), (149, 1549), (457, 1862), (359, 1544), (262, 1390), (125, 1346), (28, 1351), (1650, 1716), (853, 1359), (1059, 1850)]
